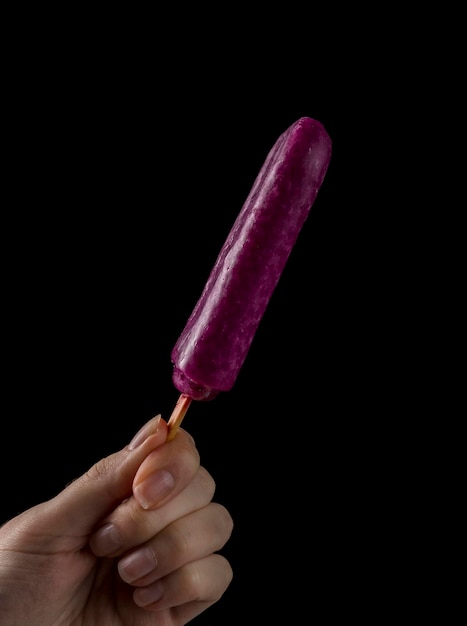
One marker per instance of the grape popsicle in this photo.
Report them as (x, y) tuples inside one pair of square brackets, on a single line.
[(211, 349)]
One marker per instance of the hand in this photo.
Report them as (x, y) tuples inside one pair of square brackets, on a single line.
[(133, 542)]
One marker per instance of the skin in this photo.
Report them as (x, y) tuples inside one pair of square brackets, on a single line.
[(72, 561)]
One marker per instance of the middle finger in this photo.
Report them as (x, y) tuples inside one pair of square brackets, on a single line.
[(130, 525), (187, 539)]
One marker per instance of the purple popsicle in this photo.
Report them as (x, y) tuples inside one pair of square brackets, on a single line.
[(212, 347)]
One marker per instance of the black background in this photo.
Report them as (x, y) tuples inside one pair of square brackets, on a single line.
[(123, 179)]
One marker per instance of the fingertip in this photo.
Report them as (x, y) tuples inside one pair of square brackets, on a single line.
[(164, 468), (155, 426)]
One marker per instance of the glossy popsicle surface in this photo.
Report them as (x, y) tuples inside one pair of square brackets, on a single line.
[(212, 347)]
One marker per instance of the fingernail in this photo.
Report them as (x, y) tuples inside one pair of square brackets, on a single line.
[(107, 539), (152, 489), (144, 596), (143, 433), (136, 565)]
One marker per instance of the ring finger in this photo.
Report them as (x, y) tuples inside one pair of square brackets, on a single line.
[(189, 590)]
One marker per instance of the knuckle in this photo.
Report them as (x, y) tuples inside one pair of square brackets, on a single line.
[(207, 482)]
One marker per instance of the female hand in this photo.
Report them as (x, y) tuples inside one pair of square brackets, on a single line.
[(132, 542)]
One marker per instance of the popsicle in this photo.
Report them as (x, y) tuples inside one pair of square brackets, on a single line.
[(212, 347)]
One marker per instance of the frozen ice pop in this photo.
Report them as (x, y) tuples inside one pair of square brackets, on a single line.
[(212, 347)]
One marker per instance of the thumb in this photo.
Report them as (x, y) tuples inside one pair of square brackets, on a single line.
[(76, 510)]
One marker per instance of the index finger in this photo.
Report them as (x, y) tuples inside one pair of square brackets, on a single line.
[(166, 471)]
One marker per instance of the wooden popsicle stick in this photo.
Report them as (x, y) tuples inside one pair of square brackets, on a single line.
[(177, 416)]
